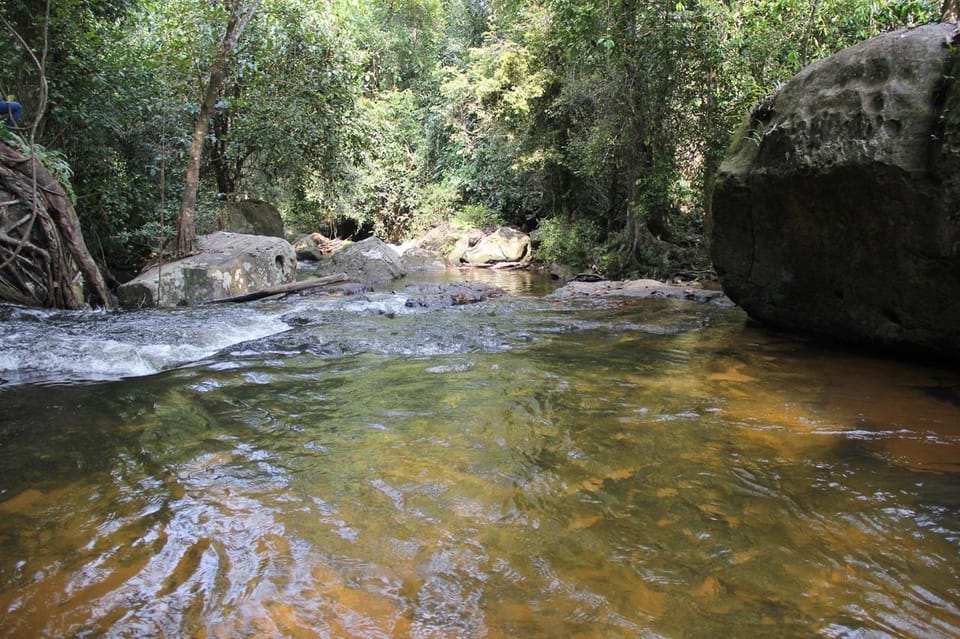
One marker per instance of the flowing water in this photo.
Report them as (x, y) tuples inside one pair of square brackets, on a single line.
[(523, 467)]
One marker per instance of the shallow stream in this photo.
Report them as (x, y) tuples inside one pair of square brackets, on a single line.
[(522, 467)]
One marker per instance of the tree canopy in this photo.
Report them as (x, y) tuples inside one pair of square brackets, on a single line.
[(598, 123)]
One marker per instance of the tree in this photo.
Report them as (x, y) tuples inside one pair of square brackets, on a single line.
[(283, 116), (603, 120), (42, 250), (950, 10), (239, 15)]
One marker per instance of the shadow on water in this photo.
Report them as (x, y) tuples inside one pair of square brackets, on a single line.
[(521, 467)]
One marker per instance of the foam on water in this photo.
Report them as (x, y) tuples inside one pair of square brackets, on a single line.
[(47, 346), (71, 346)]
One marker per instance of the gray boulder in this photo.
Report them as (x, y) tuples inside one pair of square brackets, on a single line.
[(445, 241), (455, 256), (837, 210), (420, 259), (309, 247), (503, 245), (370, 260), (441, 239), (253, 217), (227, 264)]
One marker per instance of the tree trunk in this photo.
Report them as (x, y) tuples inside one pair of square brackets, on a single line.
[(42, 251), (950, 10), (226, 172), (186, 220)]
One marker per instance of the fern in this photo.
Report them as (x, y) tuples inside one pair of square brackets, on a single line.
[(55, 162)]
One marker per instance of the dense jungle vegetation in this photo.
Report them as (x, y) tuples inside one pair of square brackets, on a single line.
[(598, 122)]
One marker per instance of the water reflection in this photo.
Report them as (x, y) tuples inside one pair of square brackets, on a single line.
[(584, 473)]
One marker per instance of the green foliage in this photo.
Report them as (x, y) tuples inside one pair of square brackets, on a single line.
[(283, 114), (97, 115), (477, 216), (575, 244), (401, 40), (490, 105), (385, 184), (600, 122), (58, 165), (436, 204)]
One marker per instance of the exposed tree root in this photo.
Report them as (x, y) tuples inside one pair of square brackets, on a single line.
[(42, 253)]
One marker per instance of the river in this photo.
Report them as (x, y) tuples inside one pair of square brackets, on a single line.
[(349, 466)]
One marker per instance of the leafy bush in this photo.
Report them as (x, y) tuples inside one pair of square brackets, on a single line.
[(571, 243), (477, 216)]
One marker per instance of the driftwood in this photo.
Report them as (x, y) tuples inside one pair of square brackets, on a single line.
[(501, 266), (508, 266), (327, 245), (283, 289), (42, 252)]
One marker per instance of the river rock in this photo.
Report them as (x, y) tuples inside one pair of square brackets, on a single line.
[(455, 256), (503, 245), (253, 217), (420, 259), (227, 264), (370, 260), (445, 241), (837, 210), (445, 295), (308, 247), (640, 289), (441, 239)]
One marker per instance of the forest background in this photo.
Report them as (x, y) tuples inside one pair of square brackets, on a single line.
[(599, 123)]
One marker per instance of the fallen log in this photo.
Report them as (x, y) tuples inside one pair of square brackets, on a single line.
[(282, 289), (509, 266)]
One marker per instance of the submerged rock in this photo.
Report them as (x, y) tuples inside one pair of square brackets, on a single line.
[(444, 295), (837, 210), (227, 264), (641, 289)]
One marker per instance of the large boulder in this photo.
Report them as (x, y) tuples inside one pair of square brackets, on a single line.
[(503, 245), (370, 260), (308, 247), (227, 264), (420, 259), (445, 241), (441, 239), (253, 217), (312, 247), (837, 210)]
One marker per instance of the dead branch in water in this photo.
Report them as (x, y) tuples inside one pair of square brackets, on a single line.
[(283, 289)]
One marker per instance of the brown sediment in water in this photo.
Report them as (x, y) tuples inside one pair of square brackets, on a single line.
[(619, 482)]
